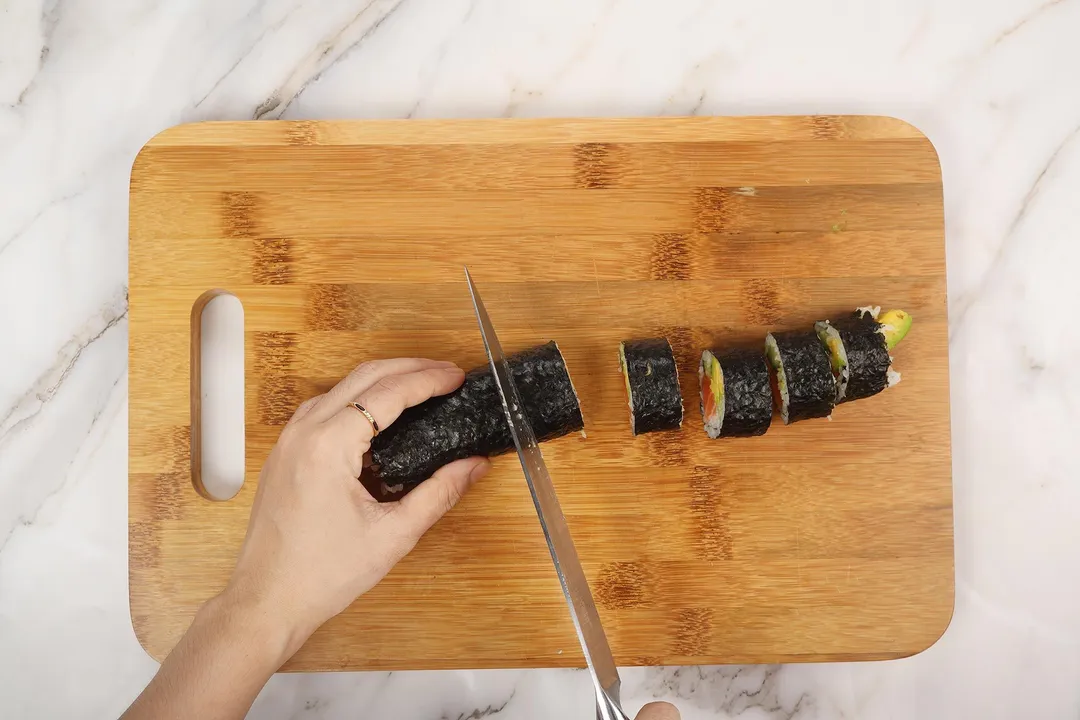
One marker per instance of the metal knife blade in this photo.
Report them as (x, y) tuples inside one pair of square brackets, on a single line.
[(575, 586)]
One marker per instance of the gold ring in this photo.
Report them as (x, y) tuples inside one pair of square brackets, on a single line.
[(370, 418)]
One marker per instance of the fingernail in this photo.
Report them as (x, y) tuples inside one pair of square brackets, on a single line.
[(479, 470), (453, 369)]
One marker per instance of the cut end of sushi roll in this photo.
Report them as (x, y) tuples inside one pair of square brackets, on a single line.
[(772, 354), (570, 379), (629, 387), (652, 385), (830, 337), (711, 379)]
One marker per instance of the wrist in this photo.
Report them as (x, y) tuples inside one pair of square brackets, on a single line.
[(256, 624)]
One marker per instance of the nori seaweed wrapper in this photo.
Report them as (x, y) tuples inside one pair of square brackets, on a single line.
[(748, 407), (471, 420), (868, 358), (810, 383), (653, 383)]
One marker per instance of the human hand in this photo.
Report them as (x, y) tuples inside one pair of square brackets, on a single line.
[(658, 711), (317, 539)]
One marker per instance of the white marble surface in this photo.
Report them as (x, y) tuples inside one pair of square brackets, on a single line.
[(995, 84)]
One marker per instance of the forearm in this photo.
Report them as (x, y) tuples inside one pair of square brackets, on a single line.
[(316, 541), (231, 649)]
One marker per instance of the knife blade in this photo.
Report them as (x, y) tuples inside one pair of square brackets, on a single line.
[(590, 632)]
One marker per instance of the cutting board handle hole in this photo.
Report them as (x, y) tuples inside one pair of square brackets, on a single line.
[(217, 395)]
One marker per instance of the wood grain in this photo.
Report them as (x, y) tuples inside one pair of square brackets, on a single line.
[(826, 540)]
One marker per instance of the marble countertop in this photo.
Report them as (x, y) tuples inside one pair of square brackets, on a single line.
[(994, 84)]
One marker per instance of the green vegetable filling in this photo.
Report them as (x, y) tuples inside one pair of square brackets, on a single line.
[(895, 325)]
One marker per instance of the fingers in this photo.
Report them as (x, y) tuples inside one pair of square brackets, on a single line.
[(305, 408), (433, 498), (385, 401), (365, 376), (388, 397), (658, 711)]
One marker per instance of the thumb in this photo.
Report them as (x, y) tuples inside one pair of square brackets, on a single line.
[(658, 711), (434, 497)]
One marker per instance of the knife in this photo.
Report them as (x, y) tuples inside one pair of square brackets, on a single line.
[(590, 632)]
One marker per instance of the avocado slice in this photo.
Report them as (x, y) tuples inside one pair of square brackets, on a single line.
[(894, 326)]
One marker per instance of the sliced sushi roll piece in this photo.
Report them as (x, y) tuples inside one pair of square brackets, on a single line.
[(804, 377), (471, 421), (652, 385), (859, 347), (857, 352), (736, 400)]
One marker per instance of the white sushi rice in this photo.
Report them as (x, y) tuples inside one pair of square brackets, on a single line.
[(871, 310), (772, 352)]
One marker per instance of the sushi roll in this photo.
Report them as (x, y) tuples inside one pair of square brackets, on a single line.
[(804, 379), (894, 324), (858, 348), (736, 399), (471, 421), (652, 385)]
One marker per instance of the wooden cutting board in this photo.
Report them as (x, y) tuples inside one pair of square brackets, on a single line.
[(825, 540)]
